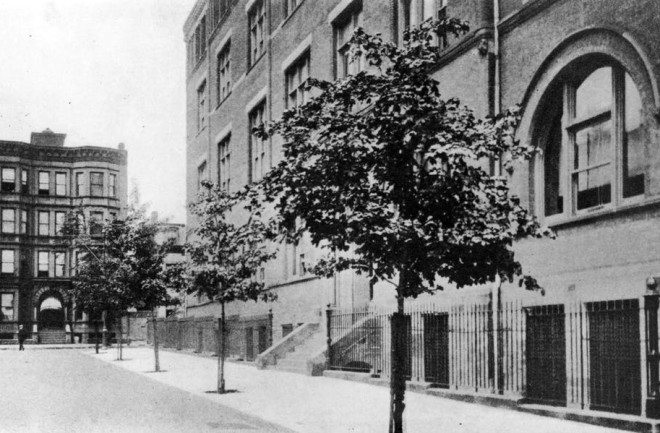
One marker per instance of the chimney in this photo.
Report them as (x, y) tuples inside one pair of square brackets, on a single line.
[(47, 138), (121, 146), (154, 216)]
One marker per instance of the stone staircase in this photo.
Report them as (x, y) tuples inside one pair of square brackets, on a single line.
[(52, 336), (297, 360)]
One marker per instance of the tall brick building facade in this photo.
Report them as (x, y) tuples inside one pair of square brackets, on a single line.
[(586, 73), (41, 181)]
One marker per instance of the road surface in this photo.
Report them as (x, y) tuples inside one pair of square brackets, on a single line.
[(65, 391)]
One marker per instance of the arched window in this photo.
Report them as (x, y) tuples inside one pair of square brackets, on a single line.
[(593, 141)]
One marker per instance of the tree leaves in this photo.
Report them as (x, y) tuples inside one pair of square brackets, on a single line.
[(388, 177), (125, 269), (229, 249)]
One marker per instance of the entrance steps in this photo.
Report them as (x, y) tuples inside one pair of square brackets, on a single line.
[(302, 352), (52, 336)]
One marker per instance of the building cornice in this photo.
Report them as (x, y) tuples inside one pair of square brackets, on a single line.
[(31, 152)]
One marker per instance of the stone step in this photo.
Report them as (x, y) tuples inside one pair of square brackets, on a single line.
[(52, 337), (297, 363), (293, 370)]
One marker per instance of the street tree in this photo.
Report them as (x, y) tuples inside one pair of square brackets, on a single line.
[(125, 269), (225, 257), (392, 180)]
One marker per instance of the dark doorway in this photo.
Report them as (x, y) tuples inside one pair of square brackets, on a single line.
[(51, 313), (263, 338), (249, 344), (546, 355), (614, 356)]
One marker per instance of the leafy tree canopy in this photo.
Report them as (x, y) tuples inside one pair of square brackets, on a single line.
[(225, 257), (123, 268), (392, 179)]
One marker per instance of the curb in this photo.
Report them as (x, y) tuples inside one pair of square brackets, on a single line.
[(602, 419)]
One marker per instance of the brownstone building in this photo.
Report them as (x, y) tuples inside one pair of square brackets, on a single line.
[(41, 181), (586, 73)]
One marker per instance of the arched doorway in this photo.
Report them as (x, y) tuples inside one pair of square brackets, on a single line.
[(51, 313)]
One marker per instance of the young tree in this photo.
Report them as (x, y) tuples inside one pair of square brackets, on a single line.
[(125, 270), (225, 258), (392, 180)]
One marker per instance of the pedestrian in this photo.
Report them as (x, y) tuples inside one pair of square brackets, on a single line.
[(22, 336)]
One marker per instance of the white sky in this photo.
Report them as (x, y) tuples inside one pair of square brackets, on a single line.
[(103, 72)]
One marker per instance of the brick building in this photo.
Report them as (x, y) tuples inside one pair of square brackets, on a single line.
[(586, 73), (41, 181)]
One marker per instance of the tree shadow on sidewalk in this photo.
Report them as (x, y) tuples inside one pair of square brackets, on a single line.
[(228, 391)]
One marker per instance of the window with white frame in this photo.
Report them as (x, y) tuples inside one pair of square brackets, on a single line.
[(296, 80), (201, 175), (256, 22), (60, 183), (24, 221), (343, 30), (258, 146), (24, 181), (44, 223), (43, 264), (44, 183), (96, 223), (8, 261), (77, 257), (219, 8), (594, 120), (60, 263), (96, 184), (418, 11), (59, 222), (201, 106), (7, 306), (224, 163), (197, 42), (80, 182), (8, 180), (8, 221), (112, 185), (223, 73)]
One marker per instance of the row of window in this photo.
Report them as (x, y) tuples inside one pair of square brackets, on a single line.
[(295, 76), (59, 187), (259, 154), (10, 222), (49, 263)]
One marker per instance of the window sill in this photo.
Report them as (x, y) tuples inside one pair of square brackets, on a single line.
[(290, 14), (255, 63), (630, 206), (221, 102)]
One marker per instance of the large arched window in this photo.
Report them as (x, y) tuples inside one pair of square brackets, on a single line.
[(593, 141)]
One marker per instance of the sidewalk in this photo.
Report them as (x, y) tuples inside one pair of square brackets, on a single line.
[(325, 405), (46, 346)]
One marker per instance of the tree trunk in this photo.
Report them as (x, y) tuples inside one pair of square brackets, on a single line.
[(121, 347), (397, 376), (221, 351), (155, 328), (104, 316), (96, 332)]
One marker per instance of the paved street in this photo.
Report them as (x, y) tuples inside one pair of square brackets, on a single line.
[(66, 391)]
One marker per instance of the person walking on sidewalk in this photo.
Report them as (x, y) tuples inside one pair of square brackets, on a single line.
[(22, 336)]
